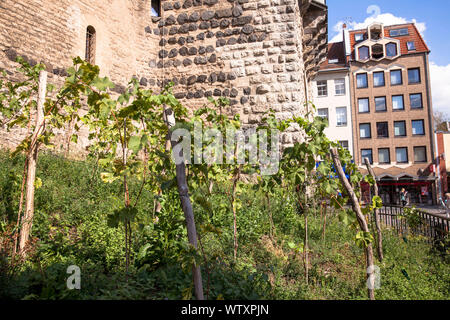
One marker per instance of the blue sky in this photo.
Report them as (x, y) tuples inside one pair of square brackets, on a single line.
[(431, 19)]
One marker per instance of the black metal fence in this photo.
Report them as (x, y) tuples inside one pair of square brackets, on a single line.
[(432, 226)]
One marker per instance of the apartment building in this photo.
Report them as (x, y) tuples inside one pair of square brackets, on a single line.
[(392, 110), (332, 95)]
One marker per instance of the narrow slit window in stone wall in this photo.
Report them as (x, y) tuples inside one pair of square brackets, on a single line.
[(90, 45), (156, 8)]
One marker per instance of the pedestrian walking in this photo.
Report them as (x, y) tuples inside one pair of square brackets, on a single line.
[(403, 195)]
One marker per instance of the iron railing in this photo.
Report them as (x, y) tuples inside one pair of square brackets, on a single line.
[(432, 226)]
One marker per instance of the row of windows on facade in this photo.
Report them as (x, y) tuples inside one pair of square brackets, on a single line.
[(398, 103), (375, 36), (401, 155), (362, 82), (417, 129), (339, 87), (341, 115), (396, 78)]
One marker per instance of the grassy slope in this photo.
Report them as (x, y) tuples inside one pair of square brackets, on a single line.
[(71, 225)]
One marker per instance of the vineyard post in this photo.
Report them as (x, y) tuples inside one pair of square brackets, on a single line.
[(32, 161), (186, 204)]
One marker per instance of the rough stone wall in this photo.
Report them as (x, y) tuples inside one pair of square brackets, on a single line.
[(251, 51), (53, 32)]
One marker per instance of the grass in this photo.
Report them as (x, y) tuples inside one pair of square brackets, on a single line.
[(71, 227)]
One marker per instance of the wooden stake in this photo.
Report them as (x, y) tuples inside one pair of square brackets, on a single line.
[(186, 204), (32, 161)]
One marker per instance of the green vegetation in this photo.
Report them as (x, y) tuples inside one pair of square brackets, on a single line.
[(125, 215), (71, 227)]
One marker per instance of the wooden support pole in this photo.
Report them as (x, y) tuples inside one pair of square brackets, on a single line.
[(377, 217), (361, 221), (186, 204), (32, 156)]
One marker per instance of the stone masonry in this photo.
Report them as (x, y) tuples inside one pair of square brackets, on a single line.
[(261, 54)]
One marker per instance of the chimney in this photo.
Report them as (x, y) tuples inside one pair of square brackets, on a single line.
[(346, 37)]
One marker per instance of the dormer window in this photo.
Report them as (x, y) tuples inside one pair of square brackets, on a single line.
[(156, 8), (411, 45), (363, 53), (399, 32), (359, 37), (391, 49)]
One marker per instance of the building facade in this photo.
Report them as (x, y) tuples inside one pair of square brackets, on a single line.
[(392, 110), (443, 153), (332, 96), (261, 54)]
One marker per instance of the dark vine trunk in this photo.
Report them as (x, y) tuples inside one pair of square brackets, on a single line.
[(377, 216), (361, 221)]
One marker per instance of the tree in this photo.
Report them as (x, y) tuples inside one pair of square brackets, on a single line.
[(440, 120)]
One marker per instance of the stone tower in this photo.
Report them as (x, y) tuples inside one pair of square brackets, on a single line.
[(260, 54)]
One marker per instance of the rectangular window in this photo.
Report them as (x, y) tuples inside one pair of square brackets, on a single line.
[(341, 116), (366, 153), (384, 156), (400, 128), (363, 105), (339, 85), (380, 104), (396, 77), (397, 103), (323, 113), (365, 131), (359, 37), (402, 155), (344, 144), (382, 130), (322, 89), (414, 75), (378, 79), (411, 45), (361, 80), (398, 32), (418, 128), (420, 154), (416, 101)]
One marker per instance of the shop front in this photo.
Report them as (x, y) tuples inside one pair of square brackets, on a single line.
[(419, 191)]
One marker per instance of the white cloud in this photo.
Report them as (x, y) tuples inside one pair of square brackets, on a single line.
[(440, 88), (385, 18)]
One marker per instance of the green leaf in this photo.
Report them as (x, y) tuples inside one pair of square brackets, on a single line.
[(135, 144), (102, 83)]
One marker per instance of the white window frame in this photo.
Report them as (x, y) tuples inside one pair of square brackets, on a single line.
[(342, 124), (321, 85), (340, 87)]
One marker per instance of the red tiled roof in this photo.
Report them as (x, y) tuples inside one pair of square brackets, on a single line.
[(335, 52), (414, 35)]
